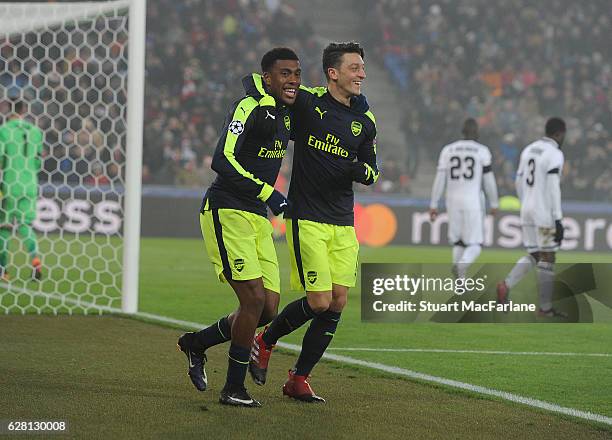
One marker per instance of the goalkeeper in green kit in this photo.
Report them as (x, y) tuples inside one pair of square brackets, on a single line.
[(20, 162)]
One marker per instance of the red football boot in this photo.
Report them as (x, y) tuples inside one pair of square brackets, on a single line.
[(260, 356), (297, 387), (502, 292), (36, 269)]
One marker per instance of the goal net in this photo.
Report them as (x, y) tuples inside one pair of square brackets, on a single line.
[(64, 69)]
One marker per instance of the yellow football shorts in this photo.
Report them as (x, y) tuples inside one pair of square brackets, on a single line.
[(321, 255), (240, 246)]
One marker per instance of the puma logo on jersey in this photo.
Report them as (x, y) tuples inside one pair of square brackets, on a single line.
[(270, 115), (318, 110)]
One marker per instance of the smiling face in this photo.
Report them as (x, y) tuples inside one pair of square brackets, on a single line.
[(349, 75), (283, 80)]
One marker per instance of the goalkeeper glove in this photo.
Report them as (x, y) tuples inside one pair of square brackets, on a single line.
[(559, 231), (277, 203)]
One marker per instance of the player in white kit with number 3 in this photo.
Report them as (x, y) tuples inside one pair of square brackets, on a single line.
[(464, 167), (538, 188)]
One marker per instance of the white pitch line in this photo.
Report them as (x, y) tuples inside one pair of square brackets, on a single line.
[(441, 350), (535, 403), (64, 299)]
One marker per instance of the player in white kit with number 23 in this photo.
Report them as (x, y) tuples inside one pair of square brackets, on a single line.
[(464, 167)]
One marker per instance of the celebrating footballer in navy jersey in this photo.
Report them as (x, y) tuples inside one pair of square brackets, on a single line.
[(236, 230), (335, 145)]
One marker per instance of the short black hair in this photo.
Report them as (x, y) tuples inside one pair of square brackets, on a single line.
[(554, 126), (332, 54), (470, 126), (273, 55)]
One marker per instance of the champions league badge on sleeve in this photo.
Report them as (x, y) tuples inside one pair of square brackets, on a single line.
[(236, 127)]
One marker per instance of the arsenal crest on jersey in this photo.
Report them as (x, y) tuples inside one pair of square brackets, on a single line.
[(239, 264), (312, 276)]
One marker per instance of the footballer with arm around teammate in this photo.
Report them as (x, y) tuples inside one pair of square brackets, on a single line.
[(21, 145), (464, 168), (335, 145), (538, 186), (233, 217)]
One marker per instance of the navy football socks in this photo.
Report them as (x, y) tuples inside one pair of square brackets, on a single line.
[(316, 340)]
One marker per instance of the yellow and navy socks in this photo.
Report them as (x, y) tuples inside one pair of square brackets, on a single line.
[(238, 362), (215, 334), (316, 340), (292, 317)]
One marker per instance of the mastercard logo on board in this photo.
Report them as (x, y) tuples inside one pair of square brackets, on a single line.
[(375, 225)]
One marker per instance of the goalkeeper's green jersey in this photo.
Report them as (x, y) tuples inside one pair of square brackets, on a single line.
[(20, 158)]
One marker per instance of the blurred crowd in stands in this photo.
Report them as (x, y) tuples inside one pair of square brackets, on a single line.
[(509, 64), (73, 79), (197, 53)]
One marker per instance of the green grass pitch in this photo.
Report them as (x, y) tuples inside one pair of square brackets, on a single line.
[(177, 281), (199, 297), (120, 378)]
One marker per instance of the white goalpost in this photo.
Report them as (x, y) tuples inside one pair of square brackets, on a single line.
[(136, 74), (79, 70)]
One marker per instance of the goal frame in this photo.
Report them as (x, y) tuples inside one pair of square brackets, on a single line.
[(135, 11), (134, 148)]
